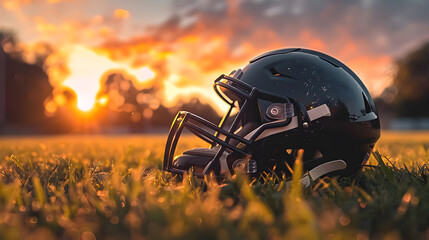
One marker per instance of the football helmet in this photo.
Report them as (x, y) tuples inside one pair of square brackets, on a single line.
[(287, 100)]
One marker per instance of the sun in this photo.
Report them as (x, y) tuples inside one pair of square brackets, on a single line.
[(85, 105)]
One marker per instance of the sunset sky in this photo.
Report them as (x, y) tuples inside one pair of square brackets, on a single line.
[(180, 47)]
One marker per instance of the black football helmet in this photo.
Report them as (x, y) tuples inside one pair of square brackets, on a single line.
[(287, 100)]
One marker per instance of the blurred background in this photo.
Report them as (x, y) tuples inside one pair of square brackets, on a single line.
[(105, 66)]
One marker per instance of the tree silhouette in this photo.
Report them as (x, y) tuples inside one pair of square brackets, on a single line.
[(25, 86), (411, 84)]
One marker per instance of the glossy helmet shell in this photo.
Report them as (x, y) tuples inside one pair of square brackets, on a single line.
[(313, 79)]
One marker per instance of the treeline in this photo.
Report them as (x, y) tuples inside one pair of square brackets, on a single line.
[(29, 103)]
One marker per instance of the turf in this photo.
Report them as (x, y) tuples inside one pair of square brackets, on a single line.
[(110, 187)]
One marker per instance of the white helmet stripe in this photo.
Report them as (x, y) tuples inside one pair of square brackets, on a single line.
[(315, 113)]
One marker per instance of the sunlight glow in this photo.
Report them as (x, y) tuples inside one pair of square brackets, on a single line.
[(86, 69), (103, 100), (205, 93), (142, 74)]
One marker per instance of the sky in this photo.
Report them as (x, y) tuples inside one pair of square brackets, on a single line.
[(179, 47)]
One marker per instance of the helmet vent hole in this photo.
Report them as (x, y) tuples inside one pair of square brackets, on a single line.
[(367, 106), (278, 74), (275, 72)]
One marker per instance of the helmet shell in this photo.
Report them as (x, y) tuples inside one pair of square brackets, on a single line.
[(313, 79)]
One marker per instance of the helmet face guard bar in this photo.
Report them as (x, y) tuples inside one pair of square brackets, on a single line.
[(201, 127)]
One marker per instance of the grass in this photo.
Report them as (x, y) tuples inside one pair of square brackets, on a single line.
[(98, 187)]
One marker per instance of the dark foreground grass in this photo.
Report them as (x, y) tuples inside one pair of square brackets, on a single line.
[(112, 188)]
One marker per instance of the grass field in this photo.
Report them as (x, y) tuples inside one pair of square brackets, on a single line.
[(110, 187)]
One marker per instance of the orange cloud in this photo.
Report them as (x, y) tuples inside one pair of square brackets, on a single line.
[(15, 4), (376, 71), (53, 1), (121, 13), (196, 55)]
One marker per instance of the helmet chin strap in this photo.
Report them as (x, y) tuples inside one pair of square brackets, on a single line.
[(321, 170)]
